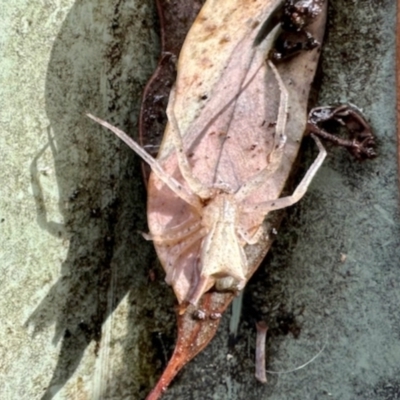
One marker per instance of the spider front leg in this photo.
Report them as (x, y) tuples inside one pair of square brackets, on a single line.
[(194, 183), (189, 197)]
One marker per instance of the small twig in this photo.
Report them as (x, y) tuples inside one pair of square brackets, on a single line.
[(361, 143), (301, 366), (262, 329)]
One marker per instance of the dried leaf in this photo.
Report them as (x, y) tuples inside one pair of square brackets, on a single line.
[(207, 104), (176, 17)]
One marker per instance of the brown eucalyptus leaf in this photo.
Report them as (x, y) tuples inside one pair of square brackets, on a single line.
[(176, 17), (227, 128), (225, 90)]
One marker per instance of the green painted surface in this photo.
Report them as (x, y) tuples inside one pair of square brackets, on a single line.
[(74, 269)]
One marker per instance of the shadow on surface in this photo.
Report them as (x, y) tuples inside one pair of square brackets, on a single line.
[(99, 62)]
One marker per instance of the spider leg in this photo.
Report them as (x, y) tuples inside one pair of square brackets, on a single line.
[(299, 192), (173, 272), (194, 183), (176, 234), (251, 239), (275, 156), (155, 166)]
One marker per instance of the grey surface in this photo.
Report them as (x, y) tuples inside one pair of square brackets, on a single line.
[(81, 317)]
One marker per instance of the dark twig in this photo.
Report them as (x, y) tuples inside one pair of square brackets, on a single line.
[(361, 142)]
